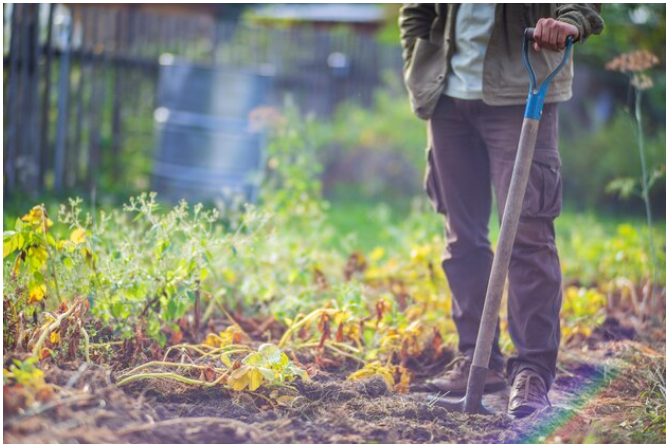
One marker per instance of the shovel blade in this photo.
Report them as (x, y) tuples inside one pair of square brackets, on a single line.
[(459, 405)]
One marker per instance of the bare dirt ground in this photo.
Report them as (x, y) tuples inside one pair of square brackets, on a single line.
[(595, 396)]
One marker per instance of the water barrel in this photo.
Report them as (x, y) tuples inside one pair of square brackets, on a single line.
[(205, 148)]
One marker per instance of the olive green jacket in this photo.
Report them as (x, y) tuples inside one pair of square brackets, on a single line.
[(428, 40)]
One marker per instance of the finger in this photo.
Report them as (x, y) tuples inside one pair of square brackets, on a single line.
[(565, 36), (546, 39), (537, 35), (561, 39)]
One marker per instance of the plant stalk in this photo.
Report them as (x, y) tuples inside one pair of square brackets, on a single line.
[(645, 194)]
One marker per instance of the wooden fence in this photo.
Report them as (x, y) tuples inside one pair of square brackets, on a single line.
[(80, 83)]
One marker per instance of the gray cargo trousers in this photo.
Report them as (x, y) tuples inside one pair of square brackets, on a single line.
[(472, 150)]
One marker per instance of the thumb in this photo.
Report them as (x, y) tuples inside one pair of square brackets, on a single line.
[(537, 48)]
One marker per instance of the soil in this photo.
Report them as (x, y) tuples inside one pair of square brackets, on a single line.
[(92, 409)]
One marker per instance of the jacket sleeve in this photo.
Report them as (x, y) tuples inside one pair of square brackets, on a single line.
[(415, 21), (584, 16)]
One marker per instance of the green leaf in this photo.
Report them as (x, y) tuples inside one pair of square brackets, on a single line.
[(191, 295), (253, 359), (68, 263), (171, 309), (162, 247), (299, 372), (11, 242), (271, 353), (268, 374), (624, 187), (117, 309), (39, 277), (182, 308)]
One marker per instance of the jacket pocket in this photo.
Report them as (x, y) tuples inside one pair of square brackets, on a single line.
[(543, 197), (423, 66), (424, 76)]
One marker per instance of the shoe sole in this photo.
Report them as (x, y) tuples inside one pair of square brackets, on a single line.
[(523, 412)]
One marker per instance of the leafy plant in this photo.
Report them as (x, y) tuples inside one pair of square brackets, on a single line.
[(33, 244), (268, 366), (27, 378), (636, 65)]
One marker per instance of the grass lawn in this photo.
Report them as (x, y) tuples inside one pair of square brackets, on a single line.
[(373, 223)]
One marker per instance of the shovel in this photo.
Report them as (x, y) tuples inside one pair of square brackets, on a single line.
[(472, 401)]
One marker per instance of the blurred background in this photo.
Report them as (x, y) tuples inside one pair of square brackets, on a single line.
[(112, 99)]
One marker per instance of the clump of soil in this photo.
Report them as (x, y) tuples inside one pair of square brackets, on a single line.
[(613, 330)]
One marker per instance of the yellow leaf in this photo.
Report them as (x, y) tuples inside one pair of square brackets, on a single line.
[(55, 337), (37, 293), (256, 378), (370, 369), (78, 236), (377, 254), (39, 252), (239, 379), (17, 266), (285, 400), (6, 248), (227, 337), (37, 217), (229, 276), (403, 385)]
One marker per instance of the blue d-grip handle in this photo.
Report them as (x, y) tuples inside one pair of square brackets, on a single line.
[(537, 95)]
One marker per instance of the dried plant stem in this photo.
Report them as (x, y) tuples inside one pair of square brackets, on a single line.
[(333, 349), (54, 325), (645, 194), (172, 364), (307, 319), (196, 348), (170, 375), (338, 345), (50, 259), (105, 344), (86, 342)]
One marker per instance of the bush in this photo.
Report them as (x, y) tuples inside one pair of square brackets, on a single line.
[(591, 161), (397, 139), (376, 152)]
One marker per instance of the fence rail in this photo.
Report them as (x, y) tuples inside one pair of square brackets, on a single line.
[(80, 83)]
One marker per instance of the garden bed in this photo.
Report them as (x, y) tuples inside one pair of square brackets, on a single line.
[(331, 409)]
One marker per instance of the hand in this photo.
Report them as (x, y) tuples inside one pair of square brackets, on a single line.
[(552, 35)]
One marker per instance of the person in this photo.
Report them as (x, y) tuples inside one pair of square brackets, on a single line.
[(465, 76)]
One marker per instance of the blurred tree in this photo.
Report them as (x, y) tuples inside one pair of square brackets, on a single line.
[(630, 27), (389, 34)]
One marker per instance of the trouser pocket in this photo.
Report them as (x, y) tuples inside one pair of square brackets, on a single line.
[(432, 185), (543, 197)]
